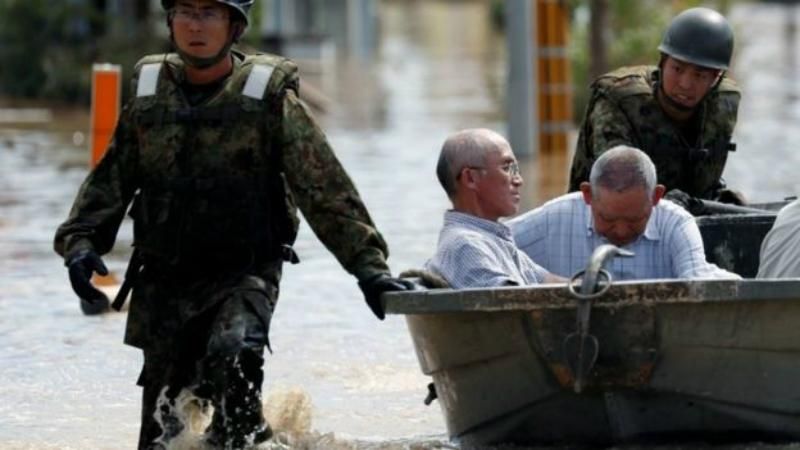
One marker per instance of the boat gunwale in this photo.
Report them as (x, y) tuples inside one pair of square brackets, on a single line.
[(557, 296)]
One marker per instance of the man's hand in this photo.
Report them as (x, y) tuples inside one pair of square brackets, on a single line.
[(375, 286), (689, 203), (731, 196), (81, 266)]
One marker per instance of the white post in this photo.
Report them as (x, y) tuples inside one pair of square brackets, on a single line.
[(361, 28), (523, 129)]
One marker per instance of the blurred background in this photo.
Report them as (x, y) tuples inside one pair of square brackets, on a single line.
[(389, 80)]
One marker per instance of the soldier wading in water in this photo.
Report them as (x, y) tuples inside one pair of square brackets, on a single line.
[(214, 150)]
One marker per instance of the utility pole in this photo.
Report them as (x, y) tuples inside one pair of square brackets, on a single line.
[(523, 123)]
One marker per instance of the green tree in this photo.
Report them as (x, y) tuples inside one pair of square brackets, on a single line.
[(24, 29), (47, 48)]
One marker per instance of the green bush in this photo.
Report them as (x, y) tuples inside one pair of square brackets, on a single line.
[(24, 29)]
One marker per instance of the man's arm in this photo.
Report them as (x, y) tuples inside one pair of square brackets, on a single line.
[(551, 278), (610, 127), (103, 198), (688, 255), (605, 127), (331, 205), (326, 195), (468, 264)]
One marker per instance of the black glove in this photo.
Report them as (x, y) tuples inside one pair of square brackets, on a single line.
[(375, 286), (689, 203), (81, 266), (731, 196)]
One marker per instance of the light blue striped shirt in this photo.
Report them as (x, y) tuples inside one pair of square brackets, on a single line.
[(560, 236), (474, 252)]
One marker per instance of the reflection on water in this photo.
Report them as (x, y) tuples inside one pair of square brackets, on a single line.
[(338, 377), (765, 66)]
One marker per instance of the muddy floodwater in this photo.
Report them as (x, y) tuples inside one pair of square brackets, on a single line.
[(338, 377)]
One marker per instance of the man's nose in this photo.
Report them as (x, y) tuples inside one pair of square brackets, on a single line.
[(686, 80)]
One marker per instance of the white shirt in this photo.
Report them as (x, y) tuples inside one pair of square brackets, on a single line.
[(475, 252), (560, 236), (780, 250)]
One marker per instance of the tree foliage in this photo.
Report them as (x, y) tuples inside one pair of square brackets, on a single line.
[(24, 30), (47, 48)]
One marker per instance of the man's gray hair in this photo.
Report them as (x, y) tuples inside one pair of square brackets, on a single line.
[(466, 148), (621, 168)]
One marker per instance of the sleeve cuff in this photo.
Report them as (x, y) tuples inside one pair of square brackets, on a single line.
[(76, 247), (367, 272)]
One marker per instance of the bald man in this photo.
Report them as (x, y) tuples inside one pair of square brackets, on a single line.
[(480, 176)]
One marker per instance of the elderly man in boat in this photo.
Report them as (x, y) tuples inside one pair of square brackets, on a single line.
[(780, 250), (481, 177), (621, 204)]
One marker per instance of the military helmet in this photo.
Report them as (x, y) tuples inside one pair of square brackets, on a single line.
[(700, 36), (241, 7)]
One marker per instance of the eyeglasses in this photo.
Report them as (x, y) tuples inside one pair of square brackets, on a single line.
[(204, 16), (511, 168)]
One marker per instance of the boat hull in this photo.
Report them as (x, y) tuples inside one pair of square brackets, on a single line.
[(678, 361)]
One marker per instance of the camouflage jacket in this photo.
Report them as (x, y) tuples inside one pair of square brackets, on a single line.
[(204, 178), (623, 109)]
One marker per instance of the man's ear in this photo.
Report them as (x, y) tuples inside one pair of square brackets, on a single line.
[(658, 193), (586, 190), (473, 178), (467, 178)]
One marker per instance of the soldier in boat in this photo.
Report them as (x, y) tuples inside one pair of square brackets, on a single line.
[(681, 112)]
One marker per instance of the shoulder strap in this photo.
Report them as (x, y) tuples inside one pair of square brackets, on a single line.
[(269, 76), (147, 72), (148, 79), (268, 80), (257, 81), (625, 82)]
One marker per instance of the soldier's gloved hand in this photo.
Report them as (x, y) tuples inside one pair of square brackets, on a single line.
[(689, 203), (81, 265), (375, 286), (731, 196)]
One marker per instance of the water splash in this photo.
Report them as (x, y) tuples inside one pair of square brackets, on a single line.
[(289, 410)]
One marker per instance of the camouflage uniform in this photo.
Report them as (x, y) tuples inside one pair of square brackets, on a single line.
[(623, 109), (211, 214)]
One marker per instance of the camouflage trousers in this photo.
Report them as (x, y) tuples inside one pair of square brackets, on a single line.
[(217, 362)]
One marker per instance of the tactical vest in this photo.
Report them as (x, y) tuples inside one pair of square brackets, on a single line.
[(694, 167), (212, 192)]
